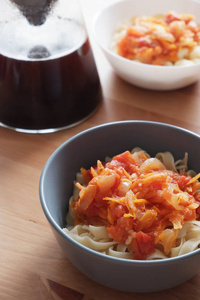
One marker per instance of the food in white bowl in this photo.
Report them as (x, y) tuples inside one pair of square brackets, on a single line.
[(171, 40), (56, 188), (157, 70), (137, 207)]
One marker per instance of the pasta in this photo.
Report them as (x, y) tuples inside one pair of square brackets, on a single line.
[(134, 206), (171, 40)]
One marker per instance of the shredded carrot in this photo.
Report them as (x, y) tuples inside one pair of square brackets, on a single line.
[(194, 179)]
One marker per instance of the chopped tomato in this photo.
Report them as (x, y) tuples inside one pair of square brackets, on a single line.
[(171, 17), (145, 244), (124, 160), (182, 181)]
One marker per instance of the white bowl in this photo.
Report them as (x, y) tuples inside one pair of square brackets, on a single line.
[(143, 75), (83, 150)]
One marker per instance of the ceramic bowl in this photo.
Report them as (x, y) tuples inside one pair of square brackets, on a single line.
[(143, 75), (83, 150)]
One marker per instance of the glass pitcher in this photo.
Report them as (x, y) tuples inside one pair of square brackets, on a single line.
[(48, 76)]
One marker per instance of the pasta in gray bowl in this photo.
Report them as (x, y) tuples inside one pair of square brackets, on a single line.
[(120, 269)]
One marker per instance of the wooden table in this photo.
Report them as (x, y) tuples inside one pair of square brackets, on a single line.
[(32, 266)]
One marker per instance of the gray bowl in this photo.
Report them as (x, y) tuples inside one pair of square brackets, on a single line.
[(83, 150)]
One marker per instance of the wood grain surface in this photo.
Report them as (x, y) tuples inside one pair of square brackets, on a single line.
[(32, 266)]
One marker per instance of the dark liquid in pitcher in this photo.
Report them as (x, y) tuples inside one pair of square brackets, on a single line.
[(45, 91)]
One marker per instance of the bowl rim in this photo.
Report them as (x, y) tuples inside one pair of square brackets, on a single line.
[(123, 59), (81, 246)]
